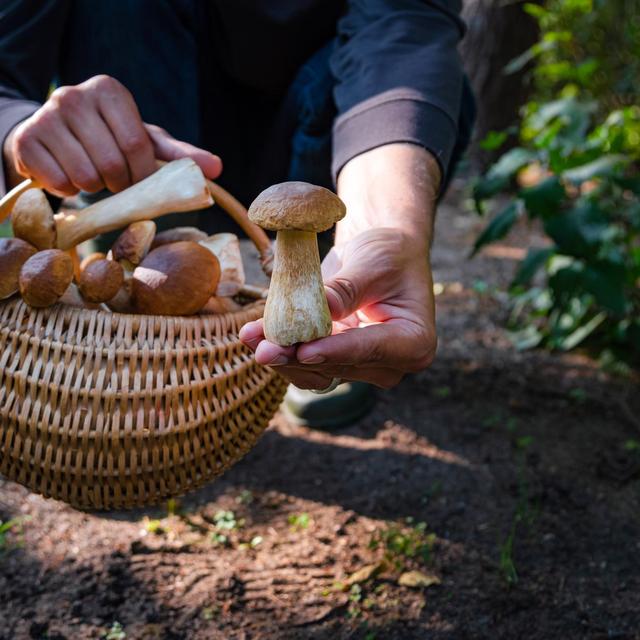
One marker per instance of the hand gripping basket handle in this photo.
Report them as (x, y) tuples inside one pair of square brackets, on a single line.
[(221, 196)]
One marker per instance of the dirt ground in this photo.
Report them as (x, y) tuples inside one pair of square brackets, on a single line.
[(496, 495)]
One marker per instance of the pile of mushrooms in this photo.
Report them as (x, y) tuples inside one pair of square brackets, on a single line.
[(177, 272)]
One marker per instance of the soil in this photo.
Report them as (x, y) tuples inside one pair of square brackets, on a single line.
[(524, 467)]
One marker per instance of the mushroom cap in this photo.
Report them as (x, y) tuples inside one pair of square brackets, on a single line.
[(45, 277), (175, 279), (134, 243), (92, 257), (101, 280), (13, 254), (32, 220), (178, 234), (297, 206)]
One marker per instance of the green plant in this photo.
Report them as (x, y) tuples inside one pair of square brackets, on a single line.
[(402, 543), (297, 522), (224, 522), (116, 632), (5, 528), (576, 174)]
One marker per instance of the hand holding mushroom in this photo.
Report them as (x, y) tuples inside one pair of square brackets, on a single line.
[(377, 278)]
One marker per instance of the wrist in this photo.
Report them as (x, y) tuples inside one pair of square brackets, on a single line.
[(393, 186)]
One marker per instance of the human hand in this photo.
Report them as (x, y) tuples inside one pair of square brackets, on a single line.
[(380, 294), (91, 136)]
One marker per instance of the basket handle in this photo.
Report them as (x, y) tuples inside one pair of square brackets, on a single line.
[(221, 196)]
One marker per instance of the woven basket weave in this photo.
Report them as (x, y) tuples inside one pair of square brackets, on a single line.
[(109, 411), (106, 411)]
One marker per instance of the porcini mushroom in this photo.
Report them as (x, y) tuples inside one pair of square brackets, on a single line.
[(219, 304), (45, 277), (226, 248), (129, 250), (177, 186), (134, 243), (92, 257), (13, 254), (175, 279), (101, 280), (178, 234), (32, 220), (296, 309)]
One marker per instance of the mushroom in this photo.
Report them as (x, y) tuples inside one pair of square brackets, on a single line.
[(33, 220), (73, 298), (296, 309), (177, 186), (101, 280), (134, 243), (226, 248), (92, 257), (45, 277), (129, 250), (178, 234), (13, 254), (175, 279), (220, 304)]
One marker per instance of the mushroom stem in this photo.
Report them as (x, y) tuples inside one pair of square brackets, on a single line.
[(178, 186), (296, 308)]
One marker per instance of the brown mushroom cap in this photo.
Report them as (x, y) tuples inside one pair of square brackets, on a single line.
[(134, 243), (32, 220), (297, 206), (92, 257), (175, 279), (101, 280), (13, 254), (178, 234), (45, 277)]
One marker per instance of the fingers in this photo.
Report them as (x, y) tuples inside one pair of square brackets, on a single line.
[(91, 136), (34, 160), (168, 148), (379, 354), (119, 111), (395, 344)]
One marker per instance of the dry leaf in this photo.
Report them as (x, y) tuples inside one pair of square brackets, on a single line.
[(366, 573), (417, 580)]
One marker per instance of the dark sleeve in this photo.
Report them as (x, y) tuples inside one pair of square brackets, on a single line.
[(398, 77), (30, 36)]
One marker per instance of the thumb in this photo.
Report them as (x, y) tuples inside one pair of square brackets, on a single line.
[(345, 293), (168, 148)]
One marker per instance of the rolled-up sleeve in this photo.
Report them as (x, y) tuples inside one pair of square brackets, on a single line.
[(398, 77), (30, 36)]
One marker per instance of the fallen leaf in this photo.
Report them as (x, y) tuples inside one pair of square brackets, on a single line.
[(417, 580), (362, 575)]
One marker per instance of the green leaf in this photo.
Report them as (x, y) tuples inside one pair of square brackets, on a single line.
[(543, 198), (534, 259), (526, 338), (605, 281), (493, 140), (582, 332), (500, 174), (499, 226), (578, 231), (603, 166)]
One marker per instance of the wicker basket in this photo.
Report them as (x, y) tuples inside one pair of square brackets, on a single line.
[(105, 411)]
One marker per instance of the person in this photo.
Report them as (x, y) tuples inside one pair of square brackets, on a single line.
[(366, 96)]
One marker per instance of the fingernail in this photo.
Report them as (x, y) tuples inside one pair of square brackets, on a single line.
[(279, 360), (315, 359)]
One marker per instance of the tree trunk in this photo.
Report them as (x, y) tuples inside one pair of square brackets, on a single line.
[(497, 32)]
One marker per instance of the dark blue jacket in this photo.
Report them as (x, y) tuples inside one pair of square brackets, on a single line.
[(279, 89)]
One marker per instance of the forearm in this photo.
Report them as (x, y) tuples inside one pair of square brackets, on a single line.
[(395, 186)]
